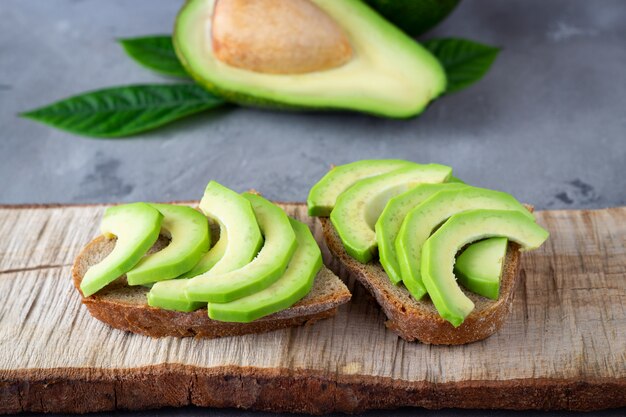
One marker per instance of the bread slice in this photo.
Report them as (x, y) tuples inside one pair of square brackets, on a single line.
[(419, 320), (126, 308)]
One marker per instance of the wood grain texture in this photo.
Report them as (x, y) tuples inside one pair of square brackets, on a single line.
[(563, 347)]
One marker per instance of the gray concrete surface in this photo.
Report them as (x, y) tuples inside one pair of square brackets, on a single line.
[(547, 124)]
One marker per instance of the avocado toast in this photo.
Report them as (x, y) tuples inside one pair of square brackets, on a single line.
[(238, 265), (400, 240)]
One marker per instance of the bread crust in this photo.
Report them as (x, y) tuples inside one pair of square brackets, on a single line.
[(418, 320), (138, 317)]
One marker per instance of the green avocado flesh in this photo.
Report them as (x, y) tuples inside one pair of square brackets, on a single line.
[(479, 267), (359, 207), (387, 74), (422, 220), (136, 227), (239, 242), (324, 194), (189, 233), (170, 295), (440, 249), (238, 227), (294, 284), (262, 271), (208, 260), (389, 223)]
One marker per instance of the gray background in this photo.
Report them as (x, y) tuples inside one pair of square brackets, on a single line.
[(547, 124)]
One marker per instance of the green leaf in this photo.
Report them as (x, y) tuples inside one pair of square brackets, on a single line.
[(465, 61), (155, 53), (124, 111)]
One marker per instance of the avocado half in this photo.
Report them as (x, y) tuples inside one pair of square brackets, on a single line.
[(307, 54)]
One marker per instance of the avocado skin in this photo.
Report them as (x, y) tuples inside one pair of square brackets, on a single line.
[(250, 100), (414, 17)]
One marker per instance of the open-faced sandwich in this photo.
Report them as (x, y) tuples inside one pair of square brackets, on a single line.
[(439, 256), (237, 265)]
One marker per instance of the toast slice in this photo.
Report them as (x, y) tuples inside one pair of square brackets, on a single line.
[(419, 320), (126, 308)]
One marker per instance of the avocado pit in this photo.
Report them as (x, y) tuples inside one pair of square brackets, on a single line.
[(278, 36)]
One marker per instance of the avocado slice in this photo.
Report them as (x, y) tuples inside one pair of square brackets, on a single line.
[(423, 220), (208, 260), (388, 225), (189, 233), (136, 227), (479, 267), (310, 54), (170, 295), (239, 229), (359, 207), (269, 264), (469, 226), (239, 242), (294, 284), (215, 253), (324, 193)]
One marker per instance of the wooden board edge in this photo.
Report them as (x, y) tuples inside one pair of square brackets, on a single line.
[(81, 390)]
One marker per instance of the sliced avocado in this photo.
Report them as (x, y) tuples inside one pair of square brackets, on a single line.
[(215, 253), (189, 233), (459, 230), (324, 193), (294, 284), (359, 207), (239, 242), (423, 219), (136, 227), (389, 223), (316, 54), (479, 267), (170, 295), (239, 229), (208, 260), (269, 264)]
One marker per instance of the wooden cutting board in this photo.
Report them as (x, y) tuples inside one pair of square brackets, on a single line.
[(563, 347)]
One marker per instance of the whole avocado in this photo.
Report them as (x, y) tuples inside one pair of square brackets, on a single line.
[(414, 17)]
